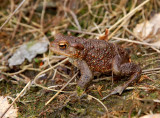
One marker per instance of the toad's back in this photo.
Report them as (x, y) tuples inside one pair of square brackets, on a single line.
[(100, 54)]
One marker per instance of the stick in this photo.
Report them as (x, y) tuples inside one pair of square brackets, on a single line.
[(10, 16)]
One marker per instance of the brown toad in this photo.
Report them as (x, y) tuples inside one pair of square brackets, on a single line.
[(93, 55)]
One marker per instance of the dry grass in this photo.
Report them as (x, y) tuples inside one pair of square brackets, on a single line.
[(30, 20)]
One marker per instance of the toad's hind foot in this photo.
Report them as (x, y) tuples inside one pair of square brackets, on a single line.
[(120, 89)]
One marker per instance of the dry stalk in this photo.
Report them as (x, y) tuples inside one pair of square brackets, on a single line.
[(10, 16), (74, 17), (42, 15), (24, 68), (99, 102)]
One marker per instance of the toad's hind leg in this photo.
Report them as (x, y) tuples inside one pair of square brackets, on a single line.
[(126, 69), (130, 69)]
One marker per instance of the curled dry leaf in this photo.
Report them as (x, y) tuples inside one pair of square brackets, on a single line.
[(29, 51), (11, 113), (149, 30), (151, 116)]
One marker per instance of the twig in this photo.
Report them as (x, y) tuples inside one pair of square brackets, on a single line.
[(97, 28), (148, 70), (17, 26), (24, 68), (32, 10), (10, 16), (137, 42), (99, 102), (42, 15), (16, 99), (74, 17), (27, 26), (154, 100), (61, 89)]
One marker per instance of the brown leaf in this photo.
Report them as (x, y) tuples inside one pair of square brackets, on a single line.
[(149, 29), (11, 113), (151, 116)]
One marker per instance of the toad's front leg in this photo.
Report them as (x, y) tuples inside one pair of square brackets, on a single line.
[(86, 74)]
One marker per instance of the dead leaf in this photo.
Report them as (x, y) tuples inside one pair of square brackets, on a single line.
[(11, 113), (28, 51), (151, 116), (148, 29)]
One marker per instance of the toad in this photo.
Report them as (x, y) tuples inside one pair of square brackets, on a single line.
[(93, 55)]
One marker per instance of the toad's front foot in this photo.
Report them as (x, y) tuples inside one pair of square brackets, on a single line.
[(78, 94)]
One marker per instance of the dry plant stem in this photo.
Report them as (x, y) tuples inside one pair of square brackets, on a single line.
[(28, 84), (110, 6), (24, 68), (154, 100), (32, 22), (32, 10), (55, 72), (90, 11), (97, 28), (42, 15), (122, 4), (142, 88), (27, 26), (131, 41), (34, 69), (152, 73), (10, 16), (117, 29), (27, 79), (155, 49), (99, 102), (12, 5), (128, 15), (36, 78), (18, 79), (46, 63), (66, 76), (74, 17), (14, 32), (149, 70), (60, 90)]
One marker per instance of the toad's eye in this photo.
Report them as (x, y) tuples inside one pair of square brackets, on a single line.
[(62, 46)]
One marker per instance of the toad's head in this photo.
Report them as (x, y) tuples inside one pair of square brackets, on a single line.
[(66, 45)]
